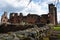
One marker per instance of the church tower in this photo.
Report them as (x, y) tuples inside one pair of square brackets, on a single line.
[(52, 14)]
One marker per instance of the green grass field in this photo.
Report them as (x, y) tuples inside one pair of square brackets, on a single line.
[(57, 28)]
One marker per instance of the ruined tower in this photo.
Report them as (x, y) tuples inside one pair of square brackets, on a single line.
[(4, 18), (52, 14)]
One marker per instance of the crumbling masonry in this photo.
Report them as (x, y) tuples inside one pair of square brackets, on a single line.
[(51, 17)]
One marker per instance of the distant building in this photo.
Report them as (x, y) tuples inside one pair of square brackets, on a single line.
[(52, 14), (15, 18), (51, 17), (4, 18), (32, 18), (44, 19)]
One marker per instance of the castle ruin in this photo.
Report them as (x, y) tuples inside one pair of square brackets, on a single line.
[(51, 17)]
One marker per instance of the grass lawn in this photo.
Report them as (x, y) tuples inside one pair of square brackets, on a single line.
[(57, 28), (58, 36)]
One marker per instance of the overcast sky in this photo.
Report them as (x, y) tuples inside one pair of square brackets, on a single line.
[(25, 6)]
